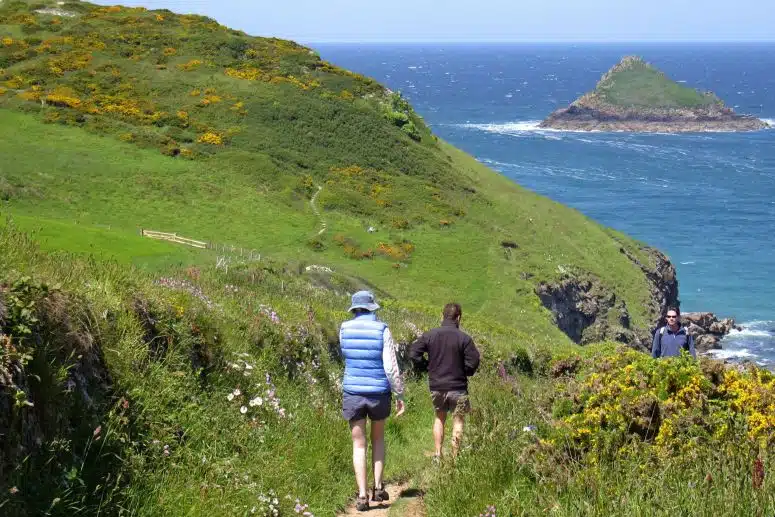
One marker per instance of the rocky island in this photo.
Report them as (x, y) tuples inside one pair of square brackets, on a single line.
[(635, 96)]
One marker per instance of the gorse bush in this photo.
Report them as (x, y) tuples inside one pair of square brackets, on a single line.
[(676, 405)]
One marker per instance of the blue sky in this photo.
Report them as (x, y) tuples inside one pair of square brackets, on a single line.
[(310, 21)]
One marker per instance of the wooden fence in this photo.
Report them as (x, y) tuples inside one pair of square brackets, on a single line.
[(174, 237), (231, 253)]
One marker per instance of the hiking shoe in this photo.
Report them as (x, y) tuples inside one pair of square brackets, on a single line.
[(362, 504), (379, 494)]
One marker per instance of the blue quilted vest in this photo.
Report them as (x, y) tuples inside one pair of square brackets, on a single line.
[(361, 341)]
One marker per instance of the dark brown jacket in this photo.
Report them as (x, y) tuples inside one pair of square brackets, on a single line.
[(452, 357)]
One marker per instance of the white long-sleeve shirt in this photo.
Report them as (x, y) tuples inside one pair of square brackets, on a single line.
[(390, 363)]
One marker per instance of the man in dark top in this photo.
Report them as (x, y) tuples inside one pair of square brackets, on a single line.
[(672, 338), (452, 357)]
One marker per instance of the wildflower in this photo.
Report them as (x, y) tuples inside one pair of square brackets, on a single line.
[(166, 450), (97, 431), (243, 409), (258, 401), (230, 396), (758, 473), (13, 490), (236, 392)]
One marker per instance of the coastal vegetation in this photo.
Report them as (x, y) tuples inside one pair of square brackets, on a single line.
[(633, 82), (141, 378)]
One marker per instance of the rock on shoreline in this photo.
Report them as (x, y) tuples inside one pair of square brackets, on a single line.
[(583, 118), (708, 330)]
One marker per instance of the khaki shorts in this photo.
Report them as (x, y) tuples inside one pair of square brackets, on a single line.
[(455, 401)]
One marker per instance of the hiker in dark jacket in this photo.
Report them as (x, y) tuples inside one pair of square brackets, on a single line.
[(452, 357), (672, 338)]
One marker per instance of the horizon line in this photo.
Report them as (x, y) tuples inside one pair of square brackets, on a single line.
[(527, 42)]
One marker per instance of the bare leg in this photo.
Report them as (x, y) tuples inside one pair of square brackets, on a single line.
[(458, 422), (358, 432), (378, 450), (438, 430)]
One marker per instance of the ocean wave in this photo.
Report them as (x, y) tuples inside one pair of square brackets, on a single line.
[(749, 332), (688, 263), (518, 127), (509, 127), (534, 126), (742, 353)]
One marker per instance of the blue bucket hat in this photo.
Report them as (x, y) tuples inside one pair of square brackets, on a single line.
[(363, 300)]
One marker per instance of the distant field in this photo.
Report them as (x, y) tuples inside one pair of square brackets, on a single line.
[(105, 243)]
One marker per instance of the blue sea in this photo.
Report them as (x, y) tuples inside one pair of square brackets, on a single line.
[(707, 200)]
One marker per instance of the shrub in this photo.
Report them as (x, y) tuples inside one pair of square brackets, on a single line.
[(519, 362), (190, 66), (210, 138)]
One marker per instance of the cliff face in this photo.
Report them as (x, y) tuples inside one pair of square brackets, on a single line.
[(635, 96), (587, 311)]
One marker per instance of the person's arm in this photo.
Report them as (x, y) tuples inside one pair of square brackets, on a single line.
[(417, 353), (470, 357), (390, 363), (656, 349), (692, 351)]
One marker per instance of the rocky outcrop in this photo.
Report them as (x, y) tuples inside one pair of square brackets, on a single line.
[(580, 117), (634, 96), (662, 280), (586, 311), (707, 329)]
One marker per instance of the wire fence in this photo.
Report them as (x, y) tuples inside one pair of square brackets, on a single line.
[(228, 255)]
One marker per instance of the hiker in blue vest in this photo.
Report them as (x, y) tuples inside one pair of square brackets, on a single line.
[(370, 373), (672, 338)]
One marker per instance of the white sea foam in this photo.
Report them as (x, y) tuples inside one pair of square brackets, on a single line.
[(688, 263), (748, 332), (742, 353), (523, 126), (534, 126)]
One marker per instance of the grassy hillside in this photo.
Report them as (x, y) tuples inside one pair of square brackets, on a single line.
[(126, 393), (633, 82), (129, 119)]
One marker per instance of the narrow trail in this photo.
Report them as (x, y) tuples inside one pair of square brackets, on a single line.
[(405, 501), (316, 211)]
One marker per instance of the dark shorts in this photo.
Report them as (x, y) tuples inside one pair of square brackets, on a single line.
[(455, 401), (358, 407)]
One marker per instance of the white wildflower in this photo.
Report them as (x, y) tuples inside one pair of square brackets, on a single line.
[(230, 396), (236, 392), (243, 409)]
